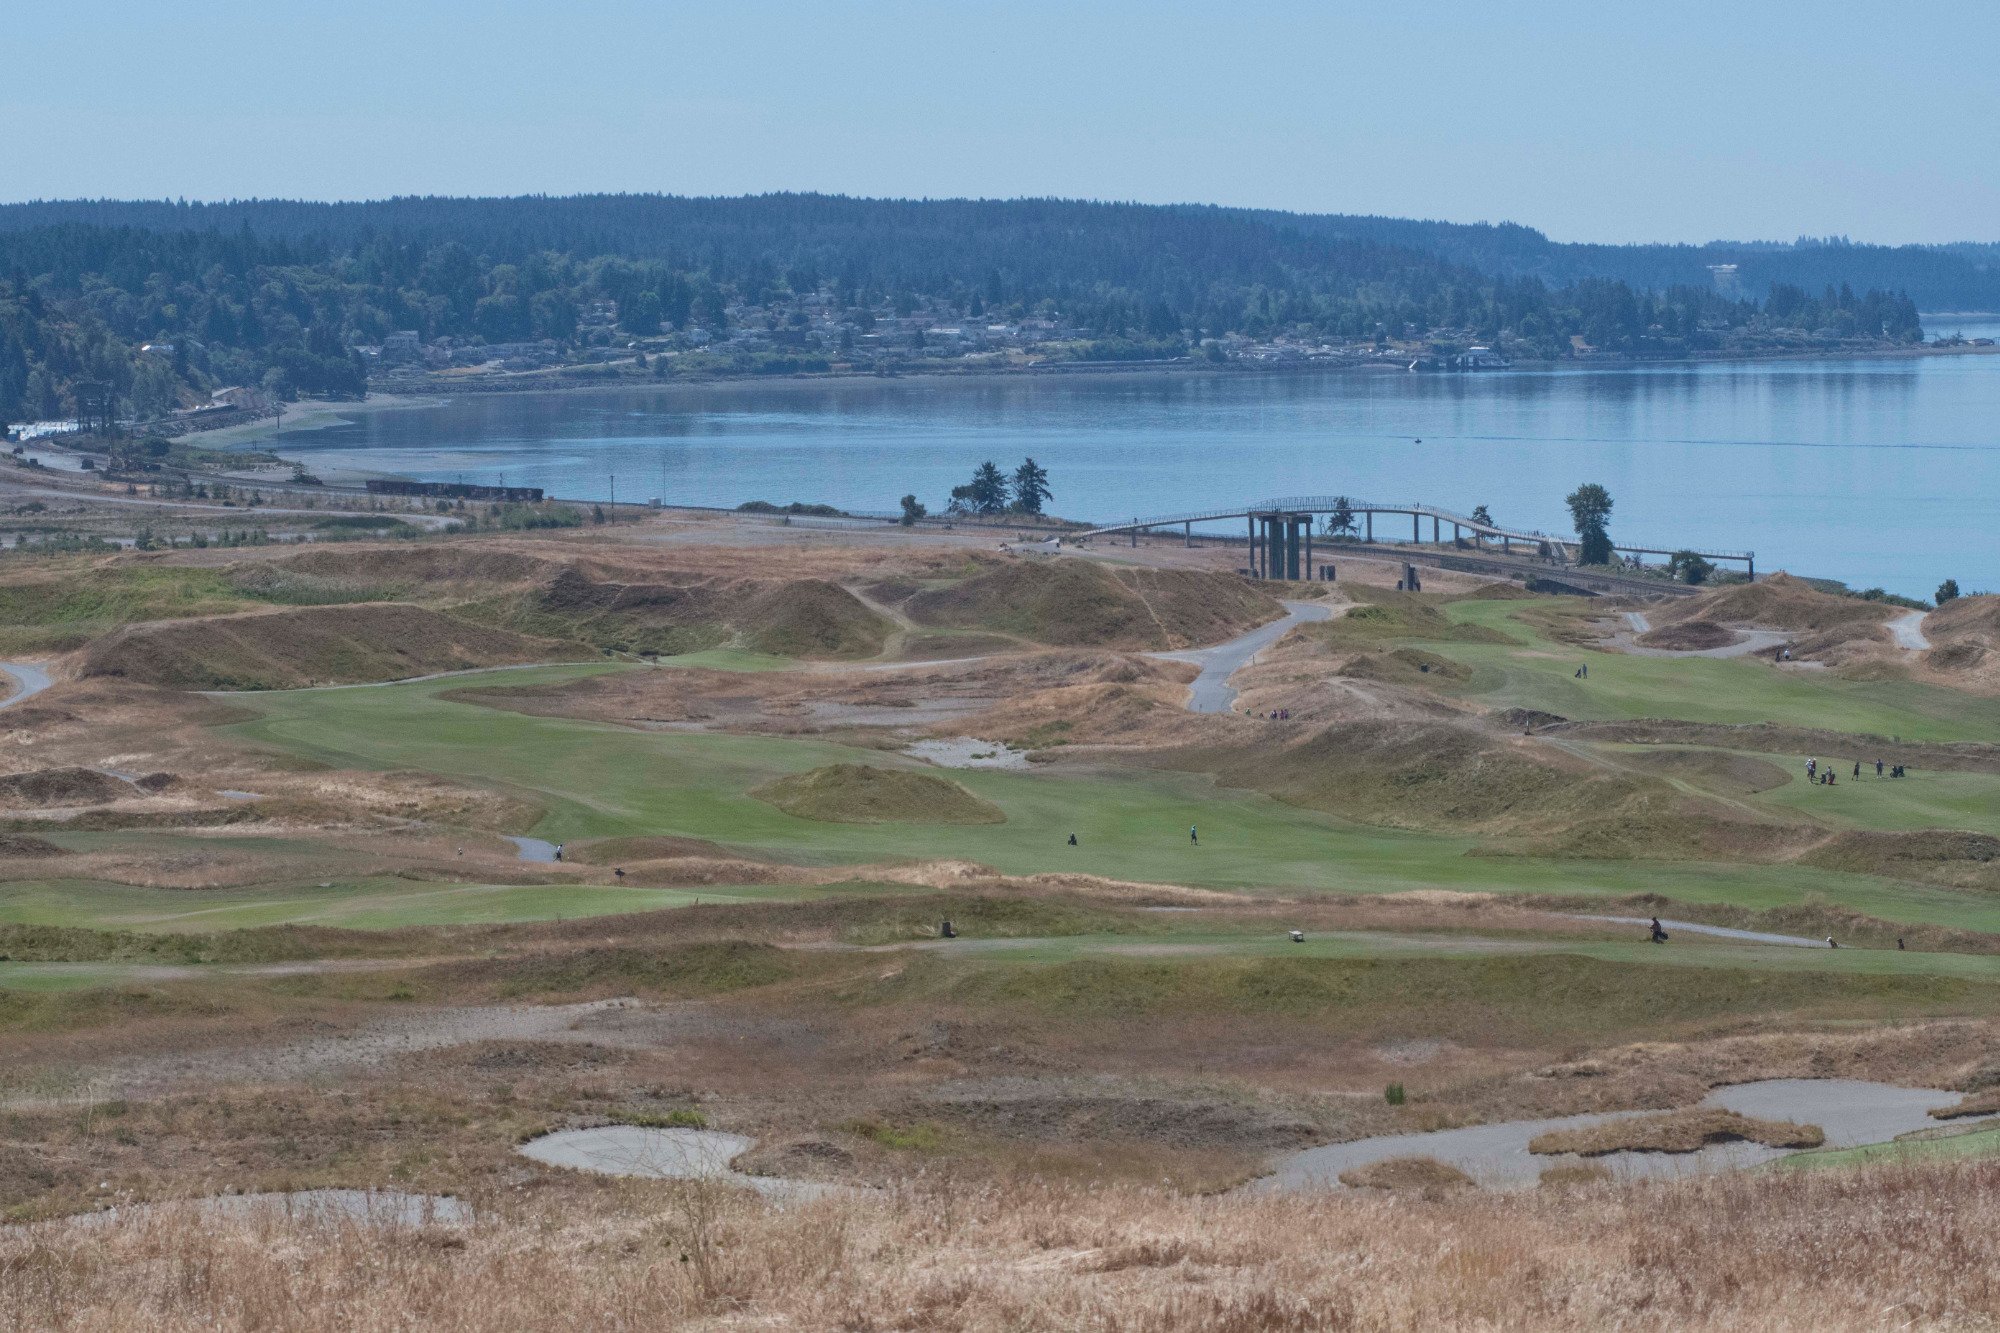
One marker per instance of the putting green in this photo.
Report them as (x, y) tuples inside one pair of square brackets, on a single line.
[(1535, 671), (597, 780)]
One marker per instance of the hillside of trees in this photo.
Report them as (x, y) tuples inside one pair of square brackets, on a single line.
[(280, 294)]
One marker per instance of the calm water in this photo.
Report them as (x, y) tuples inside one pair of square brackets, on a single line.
[(1877, 472)]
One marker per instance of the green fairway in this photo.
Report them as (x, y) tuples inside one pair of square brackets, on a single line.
[(1921, 800), (1975, 1143), (1537, 672), (596, 780), (370, 904), (1689, 951)]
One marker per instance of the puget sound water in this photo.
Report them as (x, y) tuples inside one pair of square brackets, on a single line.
[(1881, 472)]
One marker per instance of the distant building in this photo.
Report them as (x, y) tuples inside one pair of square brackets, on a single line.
[(403, 345), (1728, 281)]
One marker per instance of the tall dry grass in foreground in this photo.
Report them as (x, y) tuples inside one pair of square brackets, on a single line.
[(1905, 1247)]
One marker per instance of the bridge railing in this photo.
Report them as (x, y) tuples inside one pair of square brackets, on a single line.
[(1323, 504)]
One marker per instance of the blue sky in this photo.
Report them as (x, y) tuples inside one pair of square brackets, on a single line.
[(1606, 121)]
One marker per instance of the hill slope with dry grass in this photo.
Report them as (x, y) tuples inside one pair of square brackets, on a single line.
[(329, 645), (1080, 603)]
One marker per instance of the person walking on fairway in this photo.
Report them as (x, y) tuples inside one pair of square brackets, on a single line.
[(1193, 837)]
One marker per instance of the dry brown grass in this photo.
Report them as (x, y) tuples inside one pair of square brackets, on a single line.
[(1426, 1174), (1901, 1247), (1677, 1131)]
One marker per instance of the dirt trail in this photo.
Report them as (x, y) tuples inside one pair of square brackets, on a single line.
[(31, 677), (1908, 631), (1211, 691), (309, 1057)]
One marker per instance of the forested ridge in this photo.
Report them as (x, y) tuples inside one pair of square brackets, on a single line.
[(281, 293)]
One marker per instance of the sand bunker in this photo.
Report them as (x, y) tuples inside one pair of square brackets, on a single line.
[(1497, 1156), (968, 752), (662, 1154)]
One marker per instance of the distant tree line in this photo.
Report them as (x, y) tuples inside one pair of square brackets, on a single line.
[(280, 294)]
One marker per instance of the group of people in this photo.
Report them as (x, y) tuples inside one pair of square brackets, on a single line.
[(1277, 715), (1824, 775)]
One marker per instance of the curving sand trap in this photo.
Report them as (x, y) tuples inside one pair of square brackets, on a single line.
[(1851, 1112), (372, 1208), (538, 850), (967, 752), (663, 1154)]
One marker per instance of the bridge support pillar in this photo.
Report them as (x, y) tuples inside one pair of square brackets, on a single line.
[(1292, 549), (1250, 521), (1306, 519), (1753, 569), (1416, 529), (1371, 527), (1434, 529), (1187, 534)]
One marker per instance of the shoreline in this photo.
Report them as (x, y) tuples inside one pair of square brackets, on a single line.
[(315, 415)]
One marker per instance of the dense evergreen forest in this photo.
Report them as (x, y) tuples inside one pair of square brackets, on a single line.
[(280, 294)]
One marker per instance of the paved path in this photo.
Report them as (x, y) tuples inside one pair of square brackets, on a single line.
[(32, 677), (1211, 691), (1908, 631), (1697, 928)]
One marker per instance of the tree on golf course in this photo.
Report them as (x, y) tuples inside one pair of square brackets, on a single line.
[(1590, 509)]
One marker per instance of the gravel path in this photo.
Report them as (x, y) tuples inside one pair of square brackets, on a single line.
[(32, 677), (1211, 691), (1908, 631), (1698, 928), (1851, 1112)]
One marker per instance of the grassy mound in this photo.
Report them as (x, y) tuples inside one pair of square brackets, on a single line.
[(25, 845), (864, 794), (1677, 1132), (1387, 616), (60, 786), (1078, 603), (1718, 770), (1441, 775), (1780, 601), (1407, 666), (332, 645), (1945, 856), (1689, 636), (810, 618), (797, 618), (1406, 1173)]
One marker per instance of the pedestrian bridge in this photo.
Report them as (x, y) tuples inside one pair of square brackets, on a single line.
[(1287, 531)]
